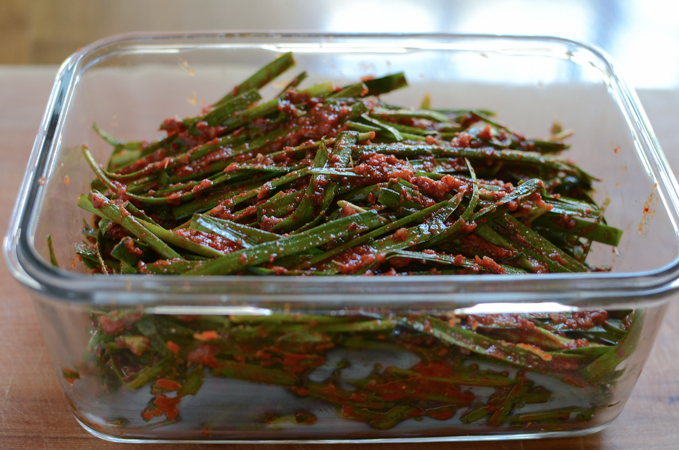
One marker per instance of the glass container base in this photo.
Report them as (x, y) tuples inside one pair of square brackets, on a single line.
[(395, 440)]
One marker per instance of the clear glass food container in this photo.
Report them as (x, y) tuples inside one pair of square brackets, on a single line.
[(129, 84)]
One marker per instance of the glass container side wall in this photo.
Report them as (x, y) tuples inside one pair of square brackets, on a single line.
[(348, 377)]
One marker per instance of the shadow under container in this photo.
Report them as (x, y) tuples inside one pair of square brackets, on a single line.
[(129, 84)]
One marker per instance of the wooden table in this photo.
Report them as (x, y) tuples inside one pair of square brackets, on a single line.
[(34, 414)]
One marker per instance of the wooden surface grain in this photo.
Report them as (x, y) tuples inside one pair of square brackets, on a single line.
[(33, 411)]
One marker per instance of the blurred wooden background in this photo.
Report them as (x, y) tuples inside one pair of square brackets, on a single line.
[(642, 36), (47, 31)]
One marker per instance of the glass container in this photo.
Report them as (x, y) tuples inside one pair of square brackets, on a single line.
[(128, 84)]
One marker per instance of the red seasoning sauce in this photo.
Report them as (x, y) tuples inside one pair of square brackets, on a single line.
[(209, 239)]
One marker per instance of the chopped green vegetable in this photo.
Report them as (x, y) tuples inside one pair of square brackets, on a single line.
[(332, 181)]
